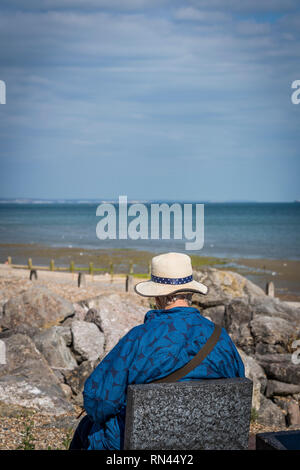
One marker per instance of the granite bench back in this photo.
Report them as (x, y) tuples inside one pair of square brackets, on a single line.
[(189, 415)]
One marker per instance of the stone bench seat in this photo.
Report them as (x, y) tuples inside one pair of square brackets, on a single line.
[(189, 415)]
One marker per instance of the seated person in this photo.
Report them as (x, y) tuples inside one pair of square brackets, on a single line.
[(169, 338)]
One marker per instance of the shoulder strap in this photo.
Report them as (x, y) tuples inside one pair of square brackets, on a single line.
[(193, 363)]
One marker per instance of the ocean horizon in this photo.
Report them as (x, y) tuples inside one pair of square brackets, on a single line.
[(231, 230)]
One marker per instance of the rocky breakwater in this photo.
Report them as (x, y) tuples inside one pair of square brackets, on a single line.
[(52, 345), (264, 330)]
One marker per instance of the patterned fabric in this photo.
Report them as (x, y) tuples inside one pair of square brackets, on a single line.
[(170, 280), (166, 341)]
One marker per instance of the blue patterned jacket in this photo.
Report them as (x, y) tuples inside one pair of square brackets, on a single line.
[(166, 341)]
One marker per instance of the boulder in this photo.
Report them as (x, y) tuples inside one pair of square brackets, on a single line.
[(261, 324), (118, 313), (215, 314), (224, 286), (264, 348), (270, 414), (88, 341), (59, 373), (65, 333), (237, 320), (37, 306), (22, 329), (76, 378), (274, 307), (26, 380), (280, 367), (80, 309), (273, 331), (93, 316), (274, 387), (237, 312), (282, 402), (52, 344), (254, 372), (67, 390), (293, 413), (14, 411), (3, 300), (296, 396)]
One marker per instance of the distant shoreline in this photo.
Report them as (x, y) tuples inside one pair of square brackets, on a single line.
[(285, 274), (149, 201), (231, 230)]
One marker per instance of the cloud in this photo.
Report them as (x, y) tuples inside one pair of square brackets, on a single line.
[(118, 89), (119, 5), (254, 28), (193, 14), (254, 6)]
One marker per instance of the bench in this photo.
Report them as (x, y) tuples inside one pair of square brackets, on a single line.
[(189, 415)]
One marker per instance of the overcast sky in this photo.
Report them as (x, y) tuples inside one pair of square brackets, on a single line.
[(155, 99)]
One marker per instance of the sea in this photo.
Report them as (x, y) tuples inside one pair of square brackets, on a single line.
[(235, 229)]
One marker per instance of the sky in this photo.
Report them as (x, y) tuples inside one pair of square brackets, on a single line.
[(153, 99)]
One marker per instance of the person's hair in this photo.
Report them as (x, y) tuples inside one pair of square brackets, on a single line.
[(164, 300)]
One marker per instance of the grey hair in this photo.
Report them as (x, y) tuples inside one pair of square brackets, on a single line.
[(164, 300)]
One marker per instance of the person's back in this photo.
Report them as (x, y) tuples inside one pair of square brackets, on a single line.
[(167, 340)]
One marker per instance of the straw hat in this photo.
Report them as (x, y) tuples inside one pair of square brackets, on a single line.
[(170, 273)]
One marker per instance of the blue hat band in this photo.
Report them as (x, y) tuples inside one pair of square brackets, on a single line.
[(170, 280)]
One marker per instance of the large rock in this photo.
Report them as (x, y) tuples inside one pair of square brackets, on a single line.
[(215, 314), (270, 414), (261, 324), (52, 343), (37, 307), (282, 402), (224, 286), (293, 413), (93, 316), (280, 367), (77, 377), (117, 314), (274, 387), (22, 329), (273, 307), (88, 341), (3, 300), (254, 372), (26, 379), (14, 411), (273, 331), (237, 320)]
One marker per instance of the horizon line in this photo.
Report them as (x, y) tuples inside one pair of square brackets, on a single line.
[(20, 200)]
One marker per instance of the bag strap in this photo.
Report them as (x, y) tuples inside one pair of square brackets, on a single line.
[(196, 360)]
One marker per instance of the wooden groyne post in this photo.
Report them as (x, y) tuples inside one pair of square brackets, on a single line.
[(111, 271), (91, 270), (270, 289), (129, 283), (33, 275), (81, 280), (131, 267)]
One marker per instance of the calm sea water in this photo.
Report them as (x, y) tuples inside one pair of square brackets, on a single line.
[(249, 230)]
